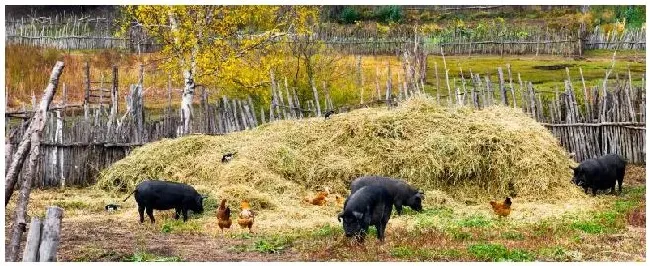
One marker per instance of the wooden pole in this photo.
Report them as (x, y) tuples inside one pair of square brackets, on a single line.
[(502, 87), (51, 234), (359, 80), (512, 89), (30, 254), (87, 89), (20, 222), (389, 84), (36, 125), (169, 94), (435, 66)]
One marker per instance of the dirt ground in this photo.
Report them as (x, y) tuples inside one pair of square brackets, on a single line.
[(110, 237)]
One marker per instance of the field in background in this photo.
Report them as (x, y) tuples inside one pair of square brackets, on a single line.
[(545, 72)]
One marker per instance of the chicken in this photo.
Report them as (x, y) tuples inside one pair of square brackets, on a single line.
[(223, 215), (319, 200), (227, 157), (246, 216), (502, 209)]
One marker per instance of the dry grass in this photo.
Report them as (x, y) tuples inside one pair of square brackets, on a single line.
[(452, 154)]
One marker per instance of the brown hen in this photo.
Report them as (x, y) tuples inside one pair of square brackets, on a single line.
[(319, 200), (502, 209), (246, 216), (223, 215)]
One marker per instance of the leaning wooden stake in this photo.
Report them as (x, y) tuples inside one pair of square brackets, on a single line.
[(21, 153), (20, 221)]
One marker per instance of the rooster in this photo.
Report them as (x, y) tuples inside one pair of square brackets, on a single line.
[(502, 209), (223, 215), (246, 216)]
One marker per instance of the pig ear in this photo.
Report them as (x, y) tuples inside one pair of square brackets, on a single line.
[(358, 215)]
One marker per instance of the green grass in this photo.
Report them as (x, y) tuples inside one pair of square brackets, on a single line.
[(528, 67), (612, 219), (405, 252), (178, 226), (589, 227), (475, 221), (512, 235), (556, 253), (148, 257), (273, 244), (327, 230), (498, 252), (402, 252), (94, 253), (460, 235), (434, 216)]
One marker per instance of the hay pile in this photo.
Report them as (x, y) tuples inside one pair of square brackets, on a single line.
[(461, 152)]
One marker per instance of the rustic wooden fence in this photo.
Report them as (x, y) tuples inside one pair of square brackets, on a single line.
[(628, 39), (98, 33), (76, 148)]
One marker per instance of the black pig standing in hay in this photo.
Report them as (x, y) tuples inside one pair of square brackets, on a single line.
[(164, 195)]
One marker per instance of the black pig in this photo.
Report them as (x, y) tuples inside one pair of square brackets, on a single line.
[(370, 205), (164, 195), (600, 174), (402, 193)]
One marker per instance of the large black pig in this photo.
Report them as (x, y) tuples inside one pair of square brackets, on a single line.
[(402, 193), (370, 205), (600, 174), (164, 195)]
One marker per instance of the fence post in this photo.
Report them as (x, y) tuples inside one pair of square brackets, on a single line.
[(51, 234), (87, 85), (502, 86), (30, 254)]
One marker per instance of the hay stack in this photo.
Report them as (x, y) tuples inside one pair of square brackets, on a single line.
[(461, 151)]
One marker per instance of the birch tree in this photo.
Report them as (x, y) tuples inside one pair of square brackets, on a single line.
[(201, 42)]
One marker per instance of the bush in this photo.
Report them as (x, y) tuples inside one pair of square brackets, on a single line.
[(387, 14), (349, 15)]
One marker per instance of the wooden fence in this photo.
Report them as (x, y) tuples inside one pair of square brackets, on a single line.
[(76, 148), (98, 33)]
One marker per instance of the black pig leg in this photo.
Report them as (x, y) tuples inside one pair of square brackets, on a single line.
[(141, 212), (150, 214), (380, 231)]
